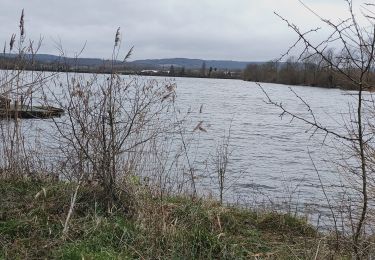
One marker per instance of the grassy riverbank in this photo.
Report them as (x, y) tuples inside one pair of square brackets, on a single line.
[(32, 216)]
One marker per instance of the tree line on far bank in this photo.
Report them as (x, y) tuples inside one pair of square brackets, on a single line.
[(309, 71), (203, 72)]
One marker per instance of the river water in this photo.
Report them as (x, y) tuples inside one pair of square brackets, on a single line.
[(272, 157)]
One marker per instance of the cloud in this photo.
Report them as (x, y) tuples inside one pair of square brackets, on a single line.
[(210, 29)]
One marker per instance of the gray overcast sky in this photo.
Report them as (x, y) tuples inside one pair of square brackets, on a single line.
[(209, 29)]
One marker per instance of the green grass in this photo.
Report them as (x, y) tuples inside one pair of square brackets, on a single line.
[(32, 216)]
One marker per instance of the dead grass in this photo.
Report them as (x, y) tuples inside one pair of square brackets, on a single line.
[(32, 217)]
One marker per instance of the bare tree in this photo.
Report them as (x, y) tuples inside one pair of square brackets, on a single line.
[(354, 64), (108, 118), (220, 163)]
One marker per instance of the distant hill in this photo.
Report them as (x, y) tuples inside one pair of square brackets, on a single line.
[(147, 63), (72, 61), (48, 58)]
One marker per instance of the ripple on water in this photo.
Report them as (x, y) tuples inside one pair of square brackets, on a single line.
[(269, 149)]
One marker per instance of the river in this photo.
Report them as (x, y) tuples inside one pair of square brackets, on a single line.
[(272, 157)]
